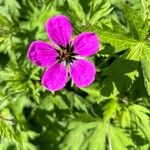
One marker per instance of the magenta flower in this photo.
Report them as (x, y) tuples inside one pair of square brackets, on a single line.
[(64, 56)]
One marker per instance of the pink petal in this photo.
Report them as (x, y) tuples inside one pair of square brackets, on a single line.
[(42, 53), (55, 78), (59, 30), (86, 44), (82, 72)]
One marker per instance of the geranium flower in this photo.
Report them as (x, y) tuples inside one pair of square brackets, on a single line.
[(64, 57)]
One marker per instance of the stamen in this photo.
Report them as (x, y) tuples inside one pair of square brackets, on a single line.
[(66, 54)]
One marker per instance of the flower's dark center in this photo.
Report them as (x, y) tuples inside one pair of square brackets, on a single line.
[(66, 54)]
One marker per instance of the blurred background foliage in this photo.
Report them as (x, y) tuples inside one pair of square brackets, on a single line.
[(111, 114)]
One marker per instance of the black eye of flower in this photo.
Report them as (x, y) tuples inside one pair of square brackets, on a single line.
[(66, 54)]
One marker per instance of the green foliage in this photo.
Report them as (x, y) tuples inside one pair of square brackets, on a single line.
[(111, 114), (5, 32), (99, 10), (76, 10), (146, 5), (146, 66), (94, 135), (9, 8), (133, 41)]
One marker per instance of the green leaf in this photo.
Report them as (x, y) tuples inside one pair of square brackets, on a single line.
[(76, 10), (21, 102), (5, 32), (7, 131), (97, 139), (146, 5), (75, 101), (140, 115), (73, 140), (99, 9), (118, 140), (136, 22), (94, 135), (47, 103), (118, 40), (110, 109), (58, 101), (93, 92), (117, 27), (125, 118), (85, 135), (11, 8), (145, 61), (126, 73)]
